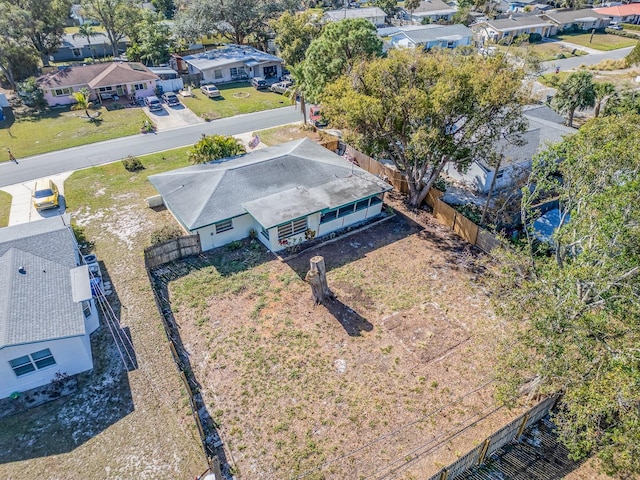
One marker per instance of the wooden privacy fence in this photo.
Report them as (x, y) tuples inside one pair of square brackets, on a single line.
[(499, 439), (393, 176), (171, 250)]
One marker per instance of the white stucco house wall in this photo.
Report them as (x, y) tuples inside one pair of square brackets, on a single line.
[(47, 312), (231, 63), (496, 30), (545, 128), (287, 194), (429, 11), (431, 36)]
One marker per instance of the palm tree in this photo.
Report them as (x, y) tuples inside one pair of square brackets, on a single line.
[(411, 5), (215, 147), (602, 91), (82, 101), (575, 93), (297, 92), (87, 31)]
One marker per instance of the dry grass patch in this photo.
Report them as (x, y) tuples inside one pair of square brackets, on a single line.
[(294, 386)]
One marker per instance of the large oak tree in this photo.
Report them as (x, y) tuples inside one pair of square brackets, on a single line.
[(576, 309), (426, 110)]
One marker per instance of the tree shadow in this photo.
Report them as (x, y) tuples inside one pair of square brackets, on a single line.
[(103, 398), (352, 322)]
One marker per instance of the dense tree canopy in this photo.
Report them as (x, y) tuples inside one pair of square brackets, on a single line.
[(18, 56), (576, 311), (236, 20), (115, 16), (336, 50), (294, 34), (151, 41), (424, 111), (49, 20)]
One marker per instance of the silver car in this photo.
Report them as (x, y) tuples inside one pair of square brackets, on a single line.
[(281, 87)]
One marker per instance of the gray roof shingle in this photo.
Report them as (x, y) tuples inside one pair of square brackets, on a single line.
[(201, 195), (38, 305)]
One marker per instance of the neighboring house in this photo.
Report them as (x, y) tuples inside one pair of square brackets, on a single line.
[(629, 13), (517, 6), (496, 30), (286, 194), (46, 309), (78, 48), (432, 36), (584, 19), (104, 81), (170, 80), (429, 11), (545, 127), (231, 63), (374, 14)]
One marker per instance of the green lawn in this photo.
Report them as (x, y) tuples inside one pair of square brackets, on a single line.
[(601, 41), (545, 51), (59, 129), (5, 206), (236, 98)]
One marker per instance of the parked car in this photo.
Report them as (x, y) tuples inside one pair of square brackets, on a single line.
[(45, 195), (280, 87), (153, 103), (615, 26), (259, 83), (210, 91), (171, 99), (316, 119), (287, 78)]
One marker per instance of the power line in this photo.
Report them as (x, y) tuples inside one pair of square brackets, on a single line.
[(395, 432)]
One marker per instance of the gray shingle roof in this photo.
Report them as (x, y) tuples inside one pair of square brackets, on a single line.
[(430, 33), (38, 305), (201, 195), (229, 55), (515, 23), (369, 12), (569, 16)]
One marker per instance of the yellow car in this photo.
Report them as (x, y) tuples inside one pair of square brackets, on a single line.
[(45, 195)]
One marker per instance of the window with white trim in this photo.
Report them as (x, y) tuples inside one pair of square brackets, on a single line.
[(235, 71), (140, 86), (328, 216), (345, 210), (63, 92), (217, 73), (292, 228), (375, 200), (31, 363), (224, 226), (76, 52)]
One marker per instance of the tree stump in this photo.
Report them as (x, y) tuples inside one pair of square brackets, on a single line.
[(317, 278)]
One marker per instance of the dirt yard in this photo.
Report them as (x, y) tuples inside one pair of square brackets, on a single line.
[(392, 379)]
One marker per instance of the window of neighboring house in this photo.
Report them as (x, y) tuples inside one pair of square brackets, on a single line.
[(328, 216), (292, 228), (106, 89), (224, 226), (62, 92), (140, 86), (237, 71), (76, 52), (29, 363), (375, 200), (86, 308), (217, 73), (346, 210), (362, 204)]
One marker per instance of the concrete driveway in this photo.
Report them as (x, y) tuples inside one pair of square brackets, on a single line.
[(172, 117), (22, 209)]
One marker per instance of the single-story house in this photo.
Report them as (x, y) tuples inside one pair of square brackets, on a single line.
[(77, 48), (286, 194), (231, 63), (374, 14), (104, 81), (433, 10), (432, 36), (170, 80), (496, 30), (516, 6), (545, 127), (627, 13), (583, 19), (47, 312)]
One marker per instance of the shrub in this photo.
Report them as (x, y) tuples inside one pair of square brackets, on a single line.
[(164, 234), (132, 164), (235, 245), (535, 38)]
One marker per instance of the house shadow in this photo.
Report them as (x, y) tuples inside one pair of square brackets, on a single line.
[(101, 399)]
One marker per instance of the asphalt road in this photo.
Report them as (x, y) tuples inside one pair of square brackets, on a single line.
[(112, 150), (591, 59)]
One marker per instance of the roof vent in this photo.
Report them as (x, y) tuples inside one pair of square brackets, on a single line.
[(22, 270)]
